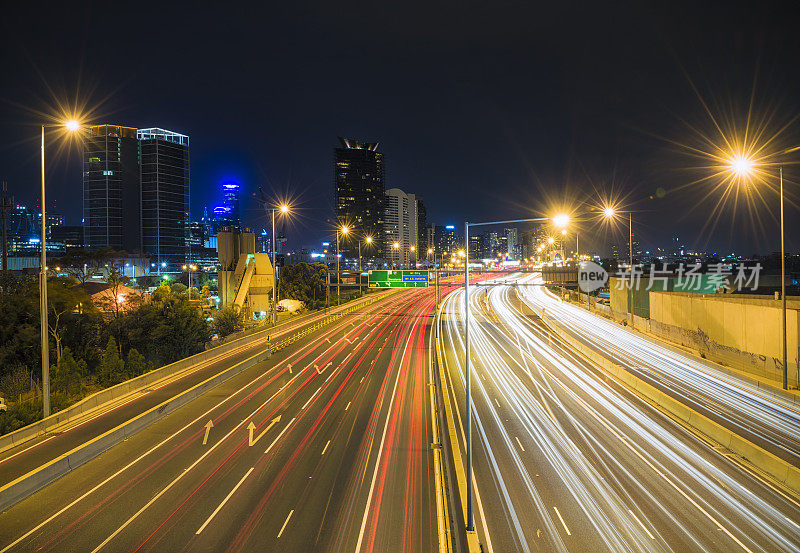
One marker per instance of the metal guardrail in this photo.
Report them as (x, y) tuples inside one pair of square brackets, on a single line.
[(277, 346)]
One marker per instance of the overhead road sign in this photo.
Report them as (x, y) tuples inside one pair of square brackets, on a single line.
[(399, 279)]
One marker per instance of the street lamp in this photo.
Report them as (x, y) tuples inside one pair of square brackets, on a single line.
[(436, 271), (284, 209), (744, 167), (610, 213), (465, 253), (368, 241), (72, 126), (413, 250), (344, 230), (396, 246)]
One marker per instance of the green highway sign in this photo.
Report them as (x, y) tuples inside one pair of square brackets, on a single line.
[(398, 279)]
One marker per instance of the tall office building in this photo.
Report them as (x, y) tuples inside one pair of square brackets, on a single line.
[(359, 189), (447, 241), (422, 225), (111, 188), (400, 224), (230, 200), (164, 196)]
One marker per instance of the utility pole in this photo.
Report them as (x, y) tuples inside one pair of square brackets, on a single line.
[(4, 207)]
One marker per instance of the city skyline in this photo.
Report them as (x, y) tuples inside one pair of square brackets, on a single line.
[(506, 130)]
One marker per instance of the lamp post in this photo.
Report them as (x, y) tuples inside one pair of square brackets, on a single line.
[(283, 209), (436, 273), (343, 230), (189, 269), (368, 241), (609, 213), (744, 167), (71, 126), (413, 250), (470, 517), (395, 246)]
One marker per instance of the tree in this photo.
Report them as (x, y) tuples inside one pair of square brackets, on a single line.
[(68, 374), (64, 297), (178, 288), (166, 329), (135, 364), (226, 321), (111, 368), (15, 382), (302, 281)]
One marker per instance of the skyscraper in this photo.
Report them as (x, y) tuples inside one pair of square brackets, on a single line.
[(164, 195), (111, 189), (400, 224), (422, 225), (359, 189), (230, 197)]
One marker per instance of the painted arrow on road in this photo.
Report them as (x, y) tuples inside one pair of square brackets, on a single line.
[(323, 368), (251, 427), (209, 426)]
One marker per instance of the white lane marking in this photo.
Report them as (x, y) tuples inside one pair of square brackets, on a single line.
[(652, 537), (562, 520), (348, 405), (325, 448), (28, 448), (278, 437), (285, 522), (497, 402), (792, 522), (520, 443), (166, 488), (309, 399), (224, 501), (380, 448)]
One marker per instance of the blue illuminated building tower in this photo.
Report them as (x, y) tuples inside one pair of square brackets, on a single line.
[(227, 213)]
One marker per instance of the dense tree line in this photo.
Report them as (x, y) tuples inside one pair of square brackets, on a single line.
[(90, 348)]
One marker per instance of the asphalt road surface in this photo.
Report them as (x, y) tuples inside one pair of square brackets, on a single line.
[(338, 457), (566, 460), (758, 414)]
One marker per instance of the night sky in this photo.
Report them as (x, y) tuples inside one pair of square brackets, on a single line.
[(490, 110)]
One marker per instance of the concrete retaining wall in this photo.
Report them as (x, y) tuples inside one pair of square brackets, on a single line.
[(741, 331)]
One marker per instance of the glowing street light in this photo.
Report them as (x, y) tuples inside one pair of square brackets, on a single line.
[(72, 126), (744, 168), (368, 241), (561, 220), (283, 209)]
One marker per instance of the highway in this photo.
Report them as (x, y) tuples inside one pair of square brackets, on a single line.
[(759, 414), (17, 461), (567, 460), (338, 457)]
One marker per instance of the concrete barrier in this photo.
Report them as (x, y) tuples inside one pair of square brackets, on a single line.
[(772, 465)]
